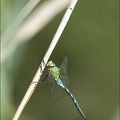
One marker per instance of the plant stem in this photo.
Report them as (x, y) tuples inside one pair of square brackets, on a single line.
[(10, 31), (45, 59), (24, 28)]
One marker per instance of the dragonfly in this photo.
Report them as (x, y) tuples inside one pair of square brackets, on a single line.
[(59, 77)]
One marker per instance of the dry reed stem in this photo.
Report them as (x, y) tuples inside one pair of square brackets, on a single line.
[(45, 59)]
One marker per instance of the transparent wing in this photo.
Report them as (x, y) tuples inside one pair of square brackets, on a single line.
[(55, 91), (65, 80), (49, 78), (63, 72), (63, 68)]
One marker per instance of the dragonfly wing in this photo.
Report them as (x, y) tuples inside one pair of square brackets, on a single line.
[(49, 78), (55, 91), (65, 80), (63, 68)]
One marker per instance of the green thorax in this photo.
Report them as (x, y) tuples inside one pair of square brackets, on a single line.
[(55, 72)]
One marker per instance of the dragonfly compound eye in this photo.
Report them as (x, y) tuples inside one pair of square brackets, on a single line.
[(50, 64)]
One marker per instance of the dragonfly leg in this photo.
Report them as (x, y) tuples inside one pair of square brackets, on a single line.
[(44, 80)]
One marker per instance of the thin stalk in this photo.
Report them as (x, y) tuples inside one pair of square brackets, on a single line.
[(20, 32), (10, 31), (45, 59)]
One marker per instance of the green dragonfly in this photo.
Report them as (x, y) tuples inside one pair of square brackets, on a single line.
[(59, 78)]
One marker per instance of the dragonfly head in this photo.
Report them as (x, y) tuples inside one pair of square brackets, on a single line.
[(50, 65)]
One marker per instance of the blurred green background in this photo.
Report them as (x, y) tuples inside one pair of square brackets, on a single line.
[(90, 41)]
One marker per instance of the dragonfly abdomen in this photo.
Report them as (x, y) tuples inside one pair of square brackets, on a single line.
[(75, 103)]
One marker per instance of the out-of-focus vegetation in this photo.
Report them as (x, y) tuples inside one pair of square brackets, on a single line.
[(90, 41)]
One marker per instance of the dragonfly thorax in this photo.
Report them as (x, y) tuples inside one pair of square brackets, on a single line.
[(55, 71)]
